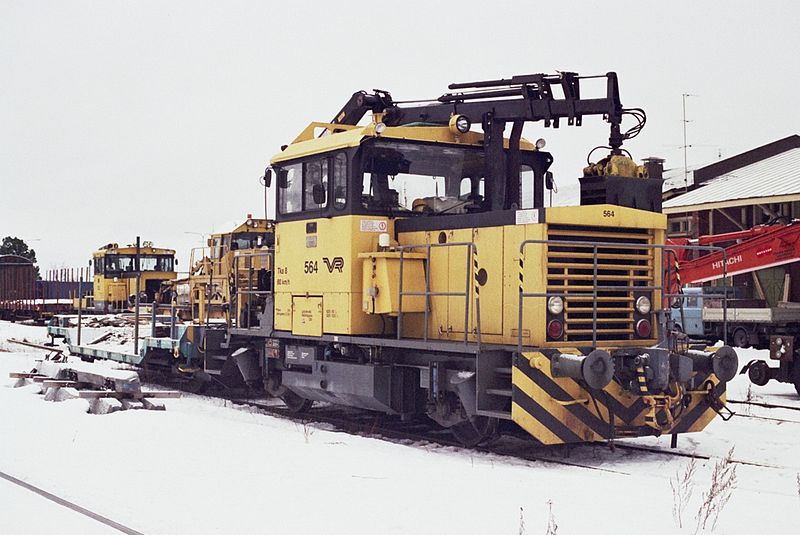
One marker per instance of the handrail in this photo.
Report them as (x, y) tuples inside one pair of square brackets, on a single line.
[(599, 287), (471, 252)]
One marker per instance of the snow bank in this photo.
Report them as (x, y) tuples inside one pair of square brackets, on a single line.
[(203, 467)]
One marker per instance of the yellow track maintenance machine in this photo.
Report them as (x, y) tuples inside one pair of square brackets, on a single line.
[(417, 271), (226, 291), (115, 274), (217, 274)]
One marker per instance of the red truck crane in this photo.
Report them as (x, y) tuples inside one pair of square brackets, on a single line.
[(748, 322)]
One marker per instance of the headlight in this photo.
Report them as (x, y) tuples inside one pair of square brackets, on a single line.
[(643, 304), (555, 305), (380, 128), (459, 124), (540, 143)]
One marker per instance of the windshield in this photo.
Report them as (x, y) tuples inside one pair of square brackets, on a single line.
[(421, 178), (127, 263), (248, 240)]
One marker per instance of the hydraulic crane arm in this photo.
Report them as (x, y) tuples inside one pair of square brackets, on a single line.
[(529, 97), (360, 103), (763, 246)]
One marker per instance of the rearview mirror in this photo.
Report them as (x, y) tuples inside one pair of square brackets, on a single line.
[(267, 178), (549, 181)]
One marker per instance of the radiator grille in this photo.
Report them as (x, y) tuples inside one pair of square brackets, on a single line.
[(570, 270)]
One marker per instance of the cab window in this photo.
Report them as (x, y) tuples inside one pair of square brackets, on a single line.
[(290, 182), (316, 184), (340, 181)]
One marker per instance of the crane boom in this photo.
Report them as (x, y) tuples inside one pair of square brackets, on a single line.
[(763, 246)]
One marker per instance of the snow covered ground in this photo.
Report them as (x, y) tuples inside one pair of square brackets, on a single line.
[(202, 467)]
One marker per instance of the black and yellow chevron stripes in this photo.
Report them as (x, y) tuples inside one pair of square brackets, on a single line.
[(560, 410), (475, 271)]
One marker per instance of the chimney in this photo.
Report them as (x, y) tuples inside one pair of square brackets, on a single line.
[(655, 167)]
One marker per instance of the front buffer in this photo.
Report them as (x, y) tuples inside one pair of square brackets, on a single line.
[(569, 396)]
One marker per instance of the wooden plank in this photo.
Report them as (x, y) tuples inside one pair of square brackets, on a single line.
[(58, 383), (42, 378), (24, 375)]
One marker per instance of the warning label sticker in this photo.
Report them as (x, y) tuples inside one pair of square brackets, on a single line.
[(374, 225)]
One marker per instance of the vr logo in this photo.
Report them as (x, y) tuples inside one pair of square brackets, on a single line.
[(337, 263)]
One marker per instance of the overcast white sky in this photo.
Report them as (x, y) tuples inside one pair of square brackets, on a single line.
[(156, 118)]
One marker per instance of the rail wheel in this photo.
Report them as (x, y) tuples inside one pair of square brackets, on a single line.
[(740, 338), (296, 404), (475, 430)]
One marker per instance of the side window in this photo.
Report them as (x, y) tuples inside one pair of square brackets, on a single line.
[(290, 182), (316, 185), (340, 181)]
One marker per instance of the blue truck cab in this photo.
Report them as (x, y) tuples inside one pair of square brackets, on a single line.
[(689, 320)]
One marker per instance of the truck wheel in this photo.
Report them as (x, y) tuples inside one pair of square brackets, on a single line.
[(740, 338), (758, 373)]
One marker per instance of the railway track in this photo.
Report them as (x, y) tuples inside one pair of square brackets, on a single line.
[(423, 432), (70, 505), (365, 423), (764, 404), (375, 425)]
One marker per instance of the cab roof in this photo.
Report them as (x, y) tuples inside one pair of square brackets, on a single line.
[(309, 142), (113, 248), (252, 224)]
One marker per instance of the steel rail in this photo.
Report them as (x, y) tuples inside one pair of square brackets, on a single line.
[(69, 505)]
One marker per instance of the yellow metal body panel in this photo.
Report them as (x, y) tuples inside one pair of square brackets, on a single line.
[(326, 263), (381, 291), (455, 270), (307, 316)]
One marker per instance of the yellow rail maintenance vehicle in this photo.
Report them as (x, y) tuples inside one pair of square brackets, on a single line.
[(115, 277), (226, 291), (418, 271), (218, 273)]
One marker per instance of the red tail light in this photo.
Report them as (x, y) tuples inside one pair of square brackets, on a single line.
[(643, 328), (555, 329)]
